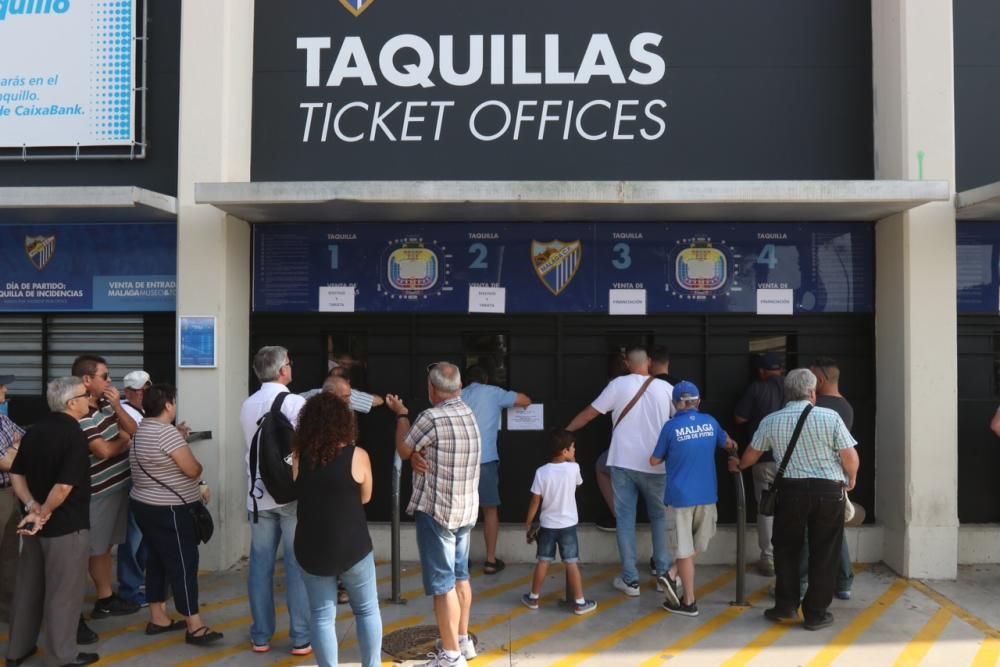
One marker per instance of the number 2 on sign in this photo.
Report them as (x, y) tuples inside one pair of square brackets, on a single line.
[(478, 249), (769, 256)]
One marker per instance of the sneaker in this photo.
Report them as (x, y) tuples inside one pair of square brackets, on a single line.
[(668, 585), (84, 635), (607, 525), (653, 572), (259, 648), (680, 608), (585, 608), (843, 595), (631, 590), (529, 602), (305, 649), (825, 621), (765, 566), (466, 646), (778, 615), (113, 606), (439, 659)]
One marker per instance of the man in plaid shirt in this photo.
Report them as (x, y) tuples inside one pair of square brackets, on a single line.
[(810, 495), (443, 446)]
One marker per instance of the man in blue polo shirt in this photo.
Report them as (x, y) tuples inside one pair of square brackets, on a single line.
[(486, 402), (688, 443)]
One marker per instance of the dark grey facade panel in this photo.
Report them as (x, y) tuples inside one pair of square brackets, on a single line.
[(158, 172), (775, 90), (977, 92)]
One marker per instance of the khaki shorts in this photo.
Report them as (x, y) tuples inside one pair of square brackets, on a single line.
[(108, 520), (691, 529)]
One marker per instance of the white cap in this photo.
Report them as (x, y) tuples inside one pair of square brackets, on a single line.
[(137, 380)]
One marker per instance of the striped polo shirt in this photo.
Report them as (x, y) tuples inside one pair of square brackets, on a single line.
[(151, 460), (106, 475)]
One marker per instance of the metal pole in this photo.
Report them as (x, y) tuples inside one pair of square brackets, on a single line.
[(741, 538), (397, 468)]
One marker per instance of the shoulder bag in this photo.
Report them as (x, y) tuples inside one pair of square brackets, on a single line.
[(204, 527), (769, 496), (635, 399)]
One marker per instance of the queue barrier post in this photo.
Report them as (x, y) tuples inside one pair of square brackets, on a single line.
[(397, 471), (741, 538)]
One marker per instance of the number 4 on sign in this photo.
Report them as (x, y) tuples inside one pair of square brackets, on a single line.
[(769, 256)]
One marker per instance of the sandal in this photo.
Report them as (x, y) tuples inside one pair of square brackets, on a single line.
[(493, 567), (202, 636), (154, 629)]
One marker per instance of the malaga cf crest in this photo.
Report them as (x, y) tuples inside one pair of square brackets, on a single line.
[(40, 250), (556, 263), (356, 7)]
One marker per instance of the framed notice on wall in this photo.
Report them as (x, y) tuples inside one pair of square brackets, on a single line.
[(69, 76), (196, 342)]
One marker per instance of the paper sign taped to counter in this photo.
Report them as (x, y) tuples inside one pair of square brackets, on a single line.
[(531, 418)]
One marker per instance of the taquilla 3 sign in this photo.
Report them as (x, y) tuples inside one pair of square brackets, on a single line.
[(565, 89)]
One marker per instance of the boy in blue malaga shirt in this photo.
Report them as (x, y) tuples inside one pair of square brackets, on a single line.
[(688, 443)]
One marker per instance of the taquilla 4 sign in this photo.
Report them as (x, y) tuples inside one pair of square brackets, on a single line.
[(561, 89)]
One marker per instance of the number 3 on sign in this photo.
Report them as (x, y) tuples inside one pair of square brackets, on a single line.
[(769, 256), (624, 258)]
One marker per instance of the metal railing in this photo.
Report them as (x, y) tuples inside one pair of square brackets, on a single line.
[(741, 539)]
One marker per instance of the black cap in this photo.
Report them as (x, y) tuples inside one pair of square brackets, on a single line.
[(7, 379), (771, 361)]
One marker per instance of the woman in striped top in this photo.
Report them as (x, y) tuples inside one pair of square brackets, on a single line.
[(165, 481)]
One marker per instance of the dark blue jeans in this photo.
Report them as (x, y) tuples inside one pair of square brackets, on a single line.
[(132, 563), (845, 571)]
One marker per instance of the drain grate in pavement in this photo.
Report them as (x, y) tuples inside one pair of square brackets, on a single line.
[(413, 643)]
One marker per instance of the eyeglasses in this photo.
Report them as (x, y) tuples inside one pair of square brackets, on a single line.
[(288, 362), (83, 395)]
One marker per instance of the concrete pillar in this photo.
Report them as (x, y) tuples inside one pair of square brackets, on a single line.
[(916, 319), (213, 250)]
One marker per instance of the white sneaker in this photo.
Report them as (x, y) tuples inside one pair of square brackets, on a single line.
[(631, 590), (466, 646), (440, 660)]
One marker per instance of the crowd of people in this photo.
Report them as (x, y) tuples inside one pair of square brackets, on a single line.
[(98, 471)]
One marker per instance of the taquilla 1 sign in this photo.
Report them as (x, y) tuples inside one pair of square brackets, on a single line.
[(561, 89)]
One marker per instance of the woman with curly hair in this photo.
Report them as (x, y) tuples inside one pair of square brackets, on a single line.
[(334, 481)]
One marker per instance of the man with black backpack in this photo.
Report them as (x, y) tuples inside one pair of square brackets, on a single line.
[(268, 418)]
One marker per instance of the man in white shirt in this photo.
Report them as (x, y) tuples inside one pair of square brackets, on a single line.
[(640, 405), (274, 523)]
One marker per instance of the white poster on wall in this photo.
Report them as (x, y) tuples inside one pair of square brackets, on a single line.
[(68, 73)]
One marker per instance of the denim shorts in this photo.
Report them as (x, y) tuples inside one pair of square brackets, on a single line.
[(489, 484), (444, 554), (569, 548)]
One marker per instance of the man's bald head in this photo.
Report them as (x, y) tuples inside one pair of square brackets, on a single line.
[(339, 387)]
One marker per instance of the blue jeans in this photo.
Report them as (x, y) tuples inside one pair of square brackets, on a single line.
[(444, 554), (628, 486), (564, 538), (131, 563), (274, 527), (363, 591)]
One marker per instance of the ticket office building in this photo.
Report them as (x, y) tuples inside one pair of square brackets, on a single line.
[(362, 177)]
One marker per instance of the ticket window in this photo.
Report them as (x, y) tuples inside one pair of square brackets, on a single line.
[(618, 345), (350, 352), (784, 345), (491, 352)]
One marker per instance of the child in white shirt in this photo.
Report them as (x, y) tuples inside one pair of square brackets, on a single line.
[(554, 490)]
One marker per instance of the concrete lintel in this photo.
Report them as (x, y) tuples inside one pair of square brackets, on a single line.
[(531, 201), (982, 203), (124, 203)]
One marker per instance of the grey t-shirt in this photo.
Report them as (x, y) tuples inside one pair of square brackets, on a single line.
[(839, 405)]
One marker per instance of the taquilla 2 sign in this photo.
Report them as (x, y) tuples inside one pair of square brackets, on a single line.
[(562, 89)]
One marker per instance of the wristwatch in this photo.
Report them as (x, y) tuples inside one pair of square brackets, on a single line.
[(28, 506)]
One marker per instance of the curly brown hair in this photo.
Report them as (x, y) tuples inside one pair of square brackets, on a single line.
[(326, 425)]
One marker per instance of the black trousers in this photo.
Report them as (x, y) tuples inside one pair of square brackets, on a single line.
[(171, 554), (816, 504)]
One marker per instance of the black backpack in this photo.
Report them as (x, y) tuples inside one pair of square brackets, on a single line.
[(270, 455)]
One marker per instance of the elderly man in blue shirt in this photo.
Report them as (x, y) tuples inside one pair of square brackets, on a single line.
[(487, 402), (822, 467)]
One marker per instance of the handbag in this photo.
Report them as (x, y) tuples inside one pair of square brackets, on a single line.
[(204, 526), (769, 496)]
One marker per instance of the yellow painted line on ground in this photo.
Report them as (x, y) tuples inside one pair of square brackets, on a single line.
[(759, 643), (959, 612), (696, 636), (242, 621), (920, 646), (861, 623), (639, 626)]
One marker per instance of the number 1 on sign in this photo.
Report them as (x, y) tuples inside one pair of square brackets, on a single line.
[(334, 256)]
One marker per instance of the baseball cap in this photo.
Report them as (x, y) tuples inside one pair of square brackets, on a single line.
[(7, 379), (137, 380), (685, 390), (771, 361)]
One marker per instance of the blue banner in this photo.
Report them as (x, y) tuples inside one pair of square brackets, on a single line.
[(105, 267), (978, 264), (565, 267)]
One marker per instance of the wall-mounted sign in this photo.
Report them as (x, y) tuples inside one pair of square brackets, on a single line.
[(566, 267), (561, 89), (196, 342), (69, 73), (130, 267), (978, 265)]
